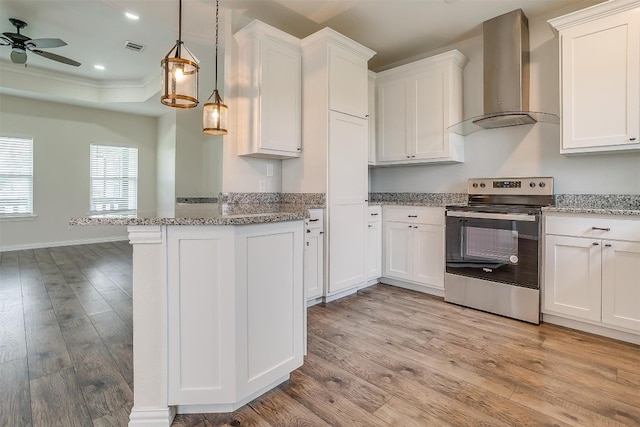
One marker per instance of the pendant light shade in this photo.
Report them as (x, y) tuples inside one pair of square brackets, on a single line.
[(214, 114), (179, 74)]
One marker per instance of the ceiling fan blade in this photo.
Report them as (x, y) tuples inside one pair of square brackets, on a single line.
[(55, 57), (17, 37), (4, 41), (18, 57), (46, 43)]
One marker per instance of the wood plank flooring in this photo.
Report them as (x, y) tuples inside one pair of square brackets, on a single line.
[(383, 357)]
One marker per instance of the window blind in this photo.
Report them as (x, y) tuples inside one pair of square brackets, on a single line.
[(16, 176), (114, 179)]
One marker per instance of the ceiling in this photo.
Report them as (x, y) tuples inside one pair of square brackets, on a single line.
[(96, 31)]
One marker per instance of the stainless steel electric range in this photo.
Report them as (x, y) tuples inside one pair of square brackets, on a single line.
[(493, 247)]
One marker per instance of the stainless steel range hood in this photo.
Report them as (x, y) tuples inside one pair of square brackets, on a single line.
[(505, 44)]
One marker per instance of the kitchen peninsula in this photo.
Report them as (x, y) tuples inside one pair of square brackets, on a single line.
[(218, 307)]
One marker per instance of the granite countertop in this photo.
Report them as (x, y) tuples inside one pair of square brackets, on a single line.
[(589, 210), (203, 214), (597, 204)]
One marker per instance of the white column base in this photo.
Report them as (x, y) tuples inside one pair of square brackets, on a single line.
[(148, 417)]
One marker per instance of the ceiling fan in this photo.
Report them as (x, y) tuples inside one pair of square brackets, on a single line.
[(20, 44)]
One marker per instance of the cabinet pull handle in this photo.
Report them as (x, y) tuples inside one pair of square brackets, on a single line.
[(370, 226), (314, 220), (595, 244), (308, 231), (409, 226), (601, 228), (607, 245), (374, 214), (322, 232), (408, 157), (632, 139), (413, 157), (413, 216)]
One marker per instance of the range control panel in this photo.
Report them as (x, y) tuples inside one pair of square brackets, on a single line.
[(534, 186)]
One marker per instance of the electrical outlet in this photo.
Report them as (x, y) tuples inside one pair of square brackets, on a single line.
[(269, 169), (263, 186)]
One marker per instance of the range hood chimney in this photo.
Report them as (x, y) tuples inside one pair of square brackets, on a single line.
[(505, 44)]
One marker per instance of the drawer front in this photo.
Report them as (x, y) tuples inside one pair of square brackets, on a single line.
[(315, 220), (596, 227), (414, 214), (374, 213)]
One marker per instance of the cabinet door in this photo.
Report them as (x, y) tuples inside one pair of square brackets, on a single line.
[(374, 250), (428, 128), (347, 206), (428, 255), (270, 319), (621, 284), (201, 301), (372, 118), (398, 250), (392, 116), (572, 277), (600, 84), (313, 265), (348, 82)]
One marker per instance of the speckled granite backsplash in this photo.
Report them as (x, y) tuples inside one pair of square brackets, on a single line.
[(598, 201), (431, 198), (235, 203), (196, 200)]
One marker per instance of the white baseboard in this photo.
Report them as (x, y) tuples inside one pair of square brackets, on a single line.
[(63, 243), (593, 329), (425, 289), (149, 417)]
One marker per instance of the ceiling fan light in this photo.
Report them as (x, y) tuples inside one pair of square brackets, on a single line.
[(214, 116)]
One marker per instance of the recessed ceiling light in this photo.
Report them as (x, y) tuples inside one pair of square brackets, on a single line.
[(98, 67), (131, 16)]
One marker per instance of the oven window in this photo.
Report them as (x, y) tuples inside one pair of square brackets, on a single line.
[(492, 244)]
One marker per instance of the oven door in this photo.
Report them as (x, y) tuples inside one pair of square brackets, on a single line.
[(498, 247)]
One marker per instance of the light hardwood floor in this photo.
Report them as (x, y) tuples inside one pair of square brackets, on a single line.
[(385, 356)]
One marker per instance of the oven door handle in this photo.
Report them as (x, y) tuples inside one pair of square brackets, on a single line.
[(488, 215)]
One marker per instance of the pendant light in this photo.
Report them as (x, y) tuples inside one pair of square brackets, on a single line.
[(179, 74), (214, 114)]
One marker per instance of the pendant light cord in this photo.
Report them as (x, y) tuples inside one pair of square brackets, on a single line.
[(179, 42), (217, 5)]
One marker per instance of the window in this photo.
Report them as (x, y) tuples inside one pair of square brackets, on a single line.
[(16, 176), (114, 179)]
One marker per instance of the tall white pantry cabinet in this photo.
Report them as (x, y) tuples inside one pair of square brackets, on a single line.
[(335, 151)]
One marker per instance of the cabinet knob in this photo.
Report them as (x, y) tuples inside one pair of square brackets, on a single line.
[(413, 157), (370, 226), (601, 228), (408, 157), (596, 244), (299, 149), (308, 231)]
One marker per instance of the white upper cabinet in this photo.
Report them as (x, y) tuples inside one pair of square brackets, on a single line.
[(372, 118), (600, 77), (416, 103), (270, 92), (348, 89)]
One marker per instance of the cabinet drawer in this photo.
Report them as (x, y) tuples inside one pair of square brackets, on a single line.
[(374, 213), (315, 220), (414, 215), (596, 227)]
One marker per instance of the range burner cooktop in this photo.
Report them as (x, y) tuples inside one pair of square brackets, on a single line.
[(508, 194)]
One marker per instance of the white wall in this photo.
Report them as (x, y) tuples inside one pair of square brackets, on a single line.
[(61, 138), (522, 150), (166, 163), (240, 174)]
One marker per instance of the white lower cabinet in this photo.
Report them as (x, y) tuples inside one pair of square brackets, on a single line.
[(314, 256), (414, 247), (592, 270), (235, 312), (374, 243)]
